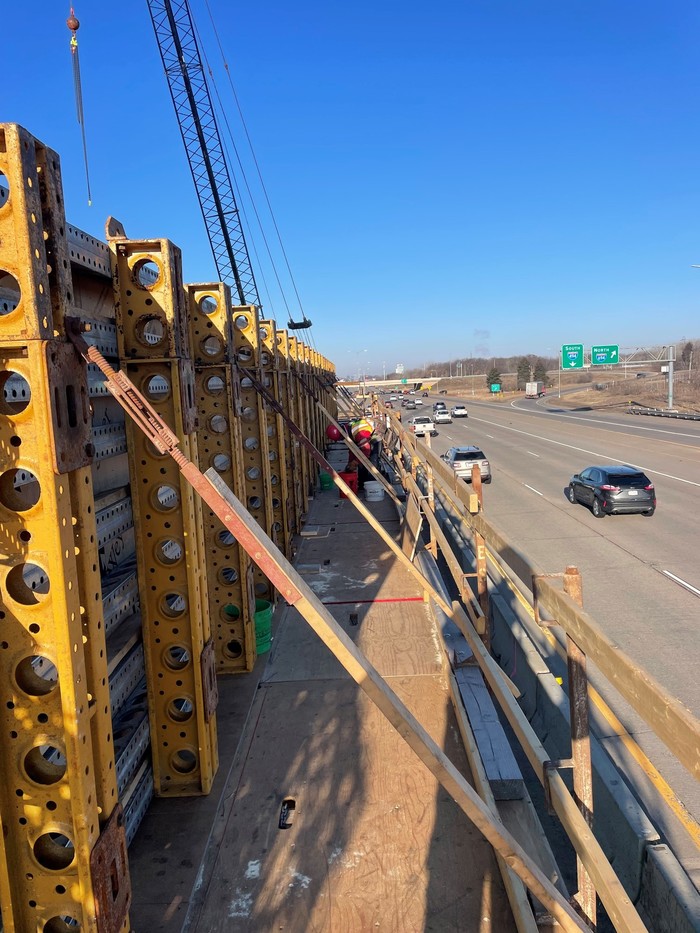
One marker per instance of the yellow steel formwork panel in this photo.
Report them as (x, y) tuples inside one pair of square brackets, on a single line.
[(301, 418), (25, 301), (279, 479), (253, 421), (178, 651), (291, 442), (229, 568), (48, 792), (173, 596)]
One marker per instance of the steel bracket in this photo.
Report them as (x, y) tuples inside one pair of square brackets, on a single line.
[(71, 420), (210, 687), (110, 875)]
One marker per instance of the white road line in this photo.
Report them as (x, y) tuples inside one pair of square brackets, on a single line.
[(594, 453), (680, 582), (534, 454), (533, 490), (488, 435), (599, 422), (449, 437)]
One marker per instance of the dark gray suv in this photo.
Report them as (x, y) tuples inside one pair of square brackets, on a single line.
[(609, 489)]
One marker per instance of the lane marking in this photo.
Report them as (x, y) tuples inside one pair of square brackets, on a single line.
[(533, 454), (600, 422), (584, 450), (680, 582), (488, 435), (533, 490)]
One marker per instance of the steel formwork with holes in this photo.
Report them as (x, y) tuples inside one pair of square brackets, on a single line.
[(63, 848), (107, 663), (154, 343), (219, 445)]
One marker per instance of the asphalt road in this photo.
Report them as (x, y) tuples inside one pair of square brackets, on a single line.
[(641, 576)]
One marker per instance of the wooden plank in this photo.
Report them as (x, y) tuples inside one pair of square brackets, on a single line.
[(374, 842), (515, 889), (292, 587), (500, 765)]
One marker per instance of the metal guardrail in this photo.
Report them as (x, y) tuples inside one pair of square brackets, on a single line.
[(662, 413)]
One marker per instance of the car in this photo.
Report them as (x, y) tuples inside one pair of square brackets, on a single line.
[(462, 460), (438, 406), (422, 425), (425, 395), (459, 411), (410, 405), (392, 398), (419, 401), (442, 416), (610, 489)]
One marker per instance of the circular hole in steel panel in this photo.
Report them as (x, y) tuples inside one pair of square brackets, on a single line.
[(165, 498), (180, 709), (241, 321), (146, 273), (230, 612), (19, 490), (221, 462), (176, 657), (150, 330), (262, 589), (169, 551), (45, 764), (233, 649), (208, 304), (244, 355), (173, 605), (157, 388), (218, 424), (251, 443), (36, 676), (10, 293), (27, 584), (225, 539), (228, 576), (15, 392), (211, 345), (214, 385), (253, 473), (64, 924), (184, 761), (54, 851)]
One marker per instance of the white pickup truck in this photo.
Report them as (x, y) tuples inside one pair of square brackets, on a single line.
[(422, 425)]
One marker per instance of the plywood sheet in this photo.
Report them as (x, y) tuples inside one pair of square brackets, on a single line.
[(374, 842)]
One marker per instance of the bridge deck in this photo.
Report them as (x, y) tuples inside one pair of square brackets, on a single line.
[(373, 842)]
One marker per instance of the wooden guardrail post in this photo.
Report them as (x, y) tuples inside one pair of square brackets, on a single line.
[(482, 580), (580, 742)]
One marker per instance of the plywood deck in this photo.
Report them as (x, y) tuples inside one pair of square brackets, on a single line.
[(372, 842)]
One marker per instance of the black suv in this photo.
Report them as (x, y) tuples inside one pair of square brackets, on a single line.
[(608, 489)]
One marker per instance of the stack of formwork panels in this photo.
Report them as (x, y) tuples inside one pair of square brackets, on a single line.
[(121, 596)]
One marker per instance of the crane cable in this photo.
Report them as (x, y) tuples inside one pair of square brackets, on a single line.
[(306, 322), (73, 23)]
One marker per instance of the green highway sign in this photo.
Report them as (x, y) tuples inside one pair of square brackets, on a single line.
[(572, 356), (495, 386), (604, 356), (404, 381)]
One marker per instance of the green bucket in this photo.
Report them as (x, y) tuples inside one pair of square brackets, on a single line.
[(263, 623), (326, 480)]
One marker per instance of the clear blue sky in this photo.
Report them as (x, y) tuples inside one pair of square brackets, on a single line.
[(488, 177)]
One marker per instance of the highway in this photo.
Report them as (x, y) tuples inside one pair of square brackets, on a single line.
[(641, 575)]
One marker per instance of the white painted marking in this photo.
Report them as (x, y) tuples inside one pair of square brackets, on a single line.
[(680, 582), (594, 453), (488, 435), (532, 454), (253, 869), (533, 489), (241, 905), (449, 437)]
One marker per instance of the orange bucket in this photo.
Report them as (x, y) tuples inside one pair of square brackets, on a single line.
[(351, 480)]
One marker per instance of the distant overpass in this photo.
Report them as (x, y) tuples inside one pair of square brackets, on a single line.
[(374, 384)]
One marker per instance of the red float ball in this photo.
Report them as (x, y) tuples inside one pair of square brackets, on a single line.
[(332, 433)]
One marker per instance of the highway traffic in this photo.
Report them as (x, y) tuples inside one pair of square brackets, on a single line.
[(641, 576)]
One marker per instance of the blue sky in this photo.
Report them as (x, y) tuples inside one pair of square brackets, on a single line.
[(484, 177)]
